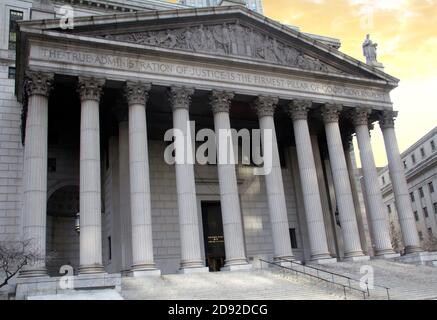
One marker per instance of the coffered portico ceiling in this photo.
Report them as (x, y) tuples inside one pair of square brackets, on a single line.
[(222, 47)]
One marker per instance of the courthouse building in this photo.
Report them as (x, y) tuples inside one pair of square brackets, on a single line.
[(85, 105)]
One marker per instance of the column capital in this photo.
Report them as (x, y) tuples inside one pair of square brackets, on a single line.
[(387, 119), (220, 101), (137, 92), (265, 106), (298, 109), (360, 116), (38, 83), (180, 97), (90, 88), (331, 112)]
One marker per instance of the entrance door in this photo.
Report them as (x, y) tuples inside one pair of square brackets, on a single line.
[(213, 235)]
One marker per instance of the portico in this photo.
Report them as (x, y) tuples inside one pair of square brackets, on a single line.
[(131, 88)]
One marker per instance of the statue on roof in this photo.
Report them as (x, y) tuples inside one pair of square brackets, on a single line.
[(369, 51)]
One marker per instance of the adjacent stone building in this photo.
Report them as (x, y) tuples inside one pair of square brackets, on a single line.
[(87, 100), (420, 165)]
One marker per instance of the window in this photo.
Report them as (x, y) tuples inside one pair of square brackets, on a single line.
[(433, 145), (425, 212), (293, 238), (431, 187), (422, 195), (412, 197), (11, 72), (435, 207), (383, 180), (422, 152), (14, 16), (416, 216), (413, 158), (389, 208), (405, 164), (420, 235), (430, 232)]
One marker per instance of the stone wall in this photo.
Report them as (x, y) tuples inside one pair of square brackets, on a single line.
[(11, 158)]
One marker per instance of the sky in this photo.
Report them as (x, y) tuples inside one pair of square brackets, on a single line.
[(406, 33)]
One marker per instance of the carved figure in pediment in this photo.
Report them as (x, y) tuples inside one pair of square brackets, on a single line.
[(251, 43), (188, 39), (227, 42), (209, 41), (199, 39), (290, 55), (240, 38), (167, 39)]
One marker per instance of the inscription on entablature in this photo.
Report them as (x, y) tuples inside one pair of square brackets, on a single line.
[(117, 62)]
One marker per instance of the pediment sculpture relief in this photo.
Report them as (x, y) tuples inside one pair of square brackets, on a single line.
[(227, 39)]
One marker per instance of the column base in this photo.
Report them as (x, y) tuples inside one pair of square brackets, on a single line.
[(138, 273), (387, 256), (413, 249), (33, 273), (91, 269), (423, 257), (357, 258), (329, 260), (237, 267), (193, 270)]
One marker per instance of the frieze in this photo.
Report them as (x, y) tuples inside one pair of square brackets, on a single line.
[(232, 39), (146, 66)]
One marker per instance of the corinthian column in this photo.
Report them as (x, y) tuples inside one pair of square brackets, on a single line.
[(265, 108), (90, 90), (343, 190), (180, 99), (230, 202), (141, 208), (378, 218), (399, 184), (38, 87), (124, 186), (308, 175)]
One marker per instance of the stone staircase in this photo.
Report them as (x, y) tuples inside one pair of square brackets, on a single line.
[(406, 281), (250, 285)]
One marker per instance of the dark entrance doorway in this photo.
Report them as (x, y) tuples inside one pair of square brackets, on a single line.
[(213, 235)]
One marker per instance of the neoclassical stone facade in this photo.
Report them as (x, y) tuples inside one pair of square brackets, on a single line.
[(103, 97)]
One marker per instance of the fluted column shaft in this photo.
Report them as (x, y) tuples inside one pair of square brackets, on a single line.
[(141, 209), (90, 181), (343, 190), (378, 218), (399, 184), (191, 257), (38, 87), (124, 180), (265, 107), (308, 175), (230, 202)]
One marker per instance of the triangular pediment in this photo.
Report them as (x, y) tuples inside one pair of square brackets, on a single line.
[(227, 39), (232, 32)]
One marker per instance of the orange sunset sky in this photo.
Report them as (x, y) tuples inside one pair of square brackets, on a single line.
[(406, 32)]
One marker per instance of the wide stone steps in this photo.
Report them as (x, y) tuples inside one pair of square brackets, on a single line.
[(406, 281), (254, 285)]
